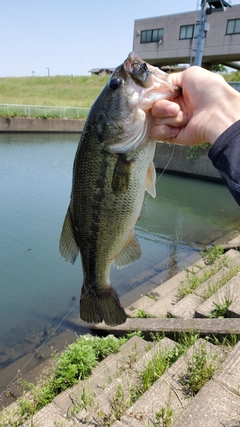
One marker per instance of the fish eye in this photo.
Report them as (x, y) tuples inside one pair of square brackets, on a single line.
[(115, 83)]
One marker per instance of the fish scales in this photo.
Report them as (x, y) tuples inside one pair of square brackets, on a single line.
[(112, 170)]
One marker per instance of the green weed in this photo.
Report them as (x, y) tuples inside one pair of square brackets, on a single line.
[(220, 309), (222, 281), (164, 416), (194, 279), (193, 150), (212, 254), (141, 314), (200, 369), (74, 364)]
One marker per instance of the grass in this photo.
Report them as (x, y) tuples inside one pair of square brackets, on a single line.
[(164, 416), (162, 360), (220, 309), (216, 260), (56, 90), (74, 364), (141, 314), (232, 77), (226, 276), (200, 369), (212, 254)]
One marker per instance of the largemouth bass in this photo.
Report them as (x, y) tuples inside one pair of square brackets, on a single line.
[(113, 168)]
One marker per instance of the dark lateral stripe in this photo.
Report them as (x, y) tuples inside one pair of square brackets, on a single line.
[(96, 216)]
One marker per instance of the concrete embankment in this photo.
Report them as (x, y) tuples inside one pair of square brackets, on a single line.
[(175, 159), (37, 124)]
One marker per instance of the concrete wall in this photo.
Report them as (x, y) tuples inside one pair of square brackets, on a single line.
[(29, 124), (200, 167)]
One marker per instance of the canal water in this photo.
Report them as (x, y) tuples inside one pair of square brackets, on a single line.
[(38, 287)]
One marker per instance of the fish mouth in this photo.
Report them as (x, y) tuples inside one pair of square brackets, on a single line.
[(137, 69), (147, 75)]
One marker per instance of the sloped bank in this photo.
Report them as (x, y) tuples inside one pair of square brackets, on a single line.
[(173, 159)]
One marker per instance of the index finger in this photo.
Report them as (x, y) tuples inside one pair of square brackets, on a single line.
[(165, 108)]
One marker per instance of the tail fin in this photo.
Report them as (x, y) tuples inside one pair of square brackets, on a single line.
[(98, 306)]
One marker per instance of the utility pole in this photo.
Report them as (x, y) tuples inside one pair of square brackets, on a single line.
[(201, 34), (48, 69), (207, 7)]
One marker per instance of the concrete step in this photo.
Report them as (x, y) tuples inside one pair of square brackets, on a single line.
[(159, 286), (186, 307), (60, 410), (167, 291), (118, 394), (217, 403), (234, 308), (228, 292), (146, 281), (167, 391), (233, 260), (104, 373), (213, 407)]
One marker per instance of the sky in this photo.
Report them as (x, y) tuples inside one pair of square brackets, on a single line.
[(64, 37)]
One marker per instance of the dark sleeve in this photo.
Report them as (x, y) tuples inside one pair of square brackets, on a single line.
[(225, 156)]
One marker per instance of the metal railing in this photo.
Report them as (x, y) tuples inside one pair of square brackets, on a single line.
[(43, 111)]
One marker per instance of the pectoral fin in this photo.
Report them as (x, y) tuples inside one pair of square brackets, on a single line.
[(130, 253), (151, 180), (121, 175), (68, 246)]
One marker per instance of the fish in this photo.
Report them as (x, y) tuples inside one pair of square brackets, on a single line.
[(113, 167)]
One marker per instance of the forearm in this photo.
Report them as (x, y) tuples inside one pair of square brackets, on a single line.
[(225, 156)]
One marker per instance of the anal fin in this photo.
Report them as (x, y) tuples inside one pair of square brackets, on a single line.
[(151, 180), (131, 252)]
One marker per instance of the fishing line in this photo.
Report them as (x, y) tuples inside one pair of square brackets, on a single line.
[(161, 174), (169, 160), (37, 351)]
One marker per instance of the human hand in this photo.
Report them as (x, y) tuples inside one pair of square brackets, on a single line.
[(206, 107)]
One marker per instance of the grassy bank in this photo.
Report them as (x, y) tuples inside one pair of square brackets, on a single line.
[(57, 90), (77, 91), (60, 91)]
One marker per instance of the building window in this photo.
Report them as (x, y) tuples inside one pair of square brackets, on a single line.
[(233, 26), (188, 31), (149, 36)]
